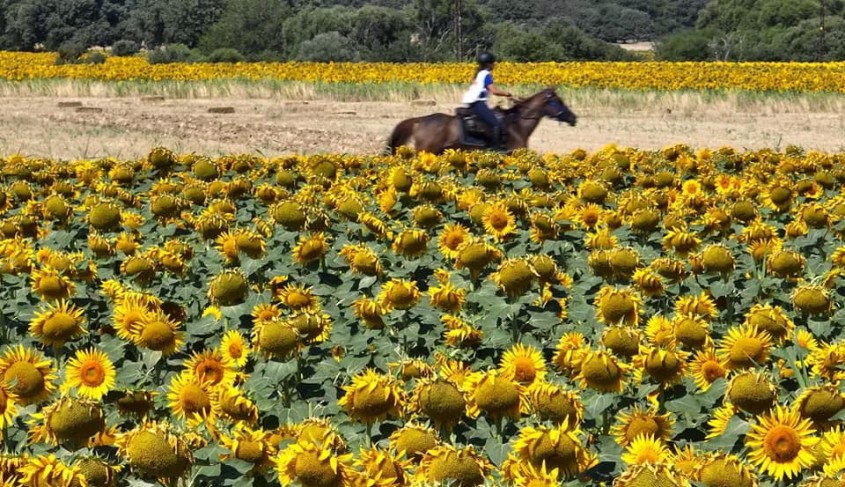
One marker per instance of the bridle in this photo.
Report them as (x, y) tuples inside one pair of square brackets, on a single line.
[(531, 111)]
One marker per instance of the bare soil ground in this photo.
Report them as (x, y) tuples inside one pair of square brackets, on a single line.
[(128, 127)]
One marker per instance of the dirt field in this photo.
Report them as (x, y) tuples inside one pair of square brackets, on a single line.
[(130, 126)]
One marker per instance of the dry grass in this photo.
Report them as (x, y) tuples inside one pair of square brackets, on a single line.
[(276, 118)]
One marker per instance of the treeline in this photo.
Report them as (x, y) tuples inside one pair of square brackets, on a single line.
[(335, 30), (762, 30)]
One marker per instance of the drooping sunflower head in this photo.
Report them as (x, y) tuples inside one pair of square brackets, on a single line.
[(651, 475), (725, 470), (313, 465), (602, 372), (445, 463), (51, 285), (158, 332), (820, 404), (640, 422), (57, 323), (154, 451), (812, 300), (615, 306), (310, 248), (718, 259), (691, 331), (495, 395), (475, 255), (372, 397), (771, 319), (97, 472), (786, 263), (399, 294), (411, 243), (414, 439), (515, 277), (276, 338), (228, 288), (47, 470), (71, 422), (553, 403), (557, 447), (623, 341), (447, 297), (104, 216), (624, 261), (28, 375), (752, 392)]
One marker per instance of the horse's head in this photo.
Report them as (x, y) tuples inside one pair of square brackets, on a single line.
[(554, 107)]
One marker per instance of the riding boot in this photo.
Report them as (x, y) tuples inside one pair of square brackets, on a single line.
[(498, 142)]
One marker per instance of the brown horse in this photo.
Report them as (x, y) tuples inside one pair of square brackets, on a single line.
[(438, 132)]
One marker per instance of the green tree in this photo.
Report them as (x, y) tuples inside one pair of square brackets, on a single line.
[(254, 27), (328, 46)]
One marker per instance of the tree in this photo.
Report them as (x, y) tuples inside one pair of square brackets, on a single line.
[(329, 46), (253, 27), (685, 46)]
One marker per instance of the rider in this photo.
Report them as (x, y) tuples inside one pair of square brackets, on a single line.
[(476, 97)]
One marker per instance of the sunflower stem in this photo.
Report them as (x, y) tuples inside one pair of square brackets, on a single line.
[(369, 434)]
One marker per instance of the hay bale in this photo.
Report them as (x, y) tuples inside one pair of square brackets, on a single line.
[(346, 113), (70, 104), (89, 110), (152, 99), (423, 103), (221, 110)]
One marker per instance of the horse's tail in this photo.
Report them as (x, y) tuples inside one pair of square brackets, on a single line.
[(401, 134)]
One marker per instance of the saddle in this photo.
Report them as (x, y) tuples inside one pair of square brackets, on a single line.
[(473, 130)]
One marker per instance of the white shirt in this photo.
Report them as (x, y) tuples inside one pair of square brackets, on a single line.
[(478, 90)]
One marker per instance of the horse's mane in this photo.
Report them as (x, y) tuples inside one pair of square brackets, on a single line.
[(522, 102)]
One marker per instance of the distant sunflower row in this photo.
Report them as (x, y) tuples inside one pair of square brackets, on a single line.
[(626, 318), (670, 76)]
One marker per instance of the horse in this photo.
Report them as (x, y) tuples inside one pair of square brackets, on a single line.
[(439, 132)]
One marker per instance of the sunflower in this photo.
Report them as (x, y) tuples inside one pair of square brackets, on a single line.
[(57, 323), (192, 399), (751, 392), (250, 445), (515, 277), (28, 375), (812, 300), (298, 298), (383, 467), (69, 421), (640, 422), (319, 431), (706, 368), (524, 364), (660, 331), (447, 464), (312, 465), (681, 241), (498, 221), (459, 333), (447, 297), (476, 255), (692, 331), (833, 444), (8, 407), (159, 333), (310, 248), (602, 372), (496, 395), (649, 282), (646, 449), (553, 403), (615, 306), (50, 471), (312, 327), (276, 338), (235, 406), (91, 372), (558, 448), (372, 397), (369, 311), (97, 472), (781, 443), (414, 440), (211, 366), (771, 319), (399, 294), (745, 346), (725, 470), (129, 313), (229, 288), (568, 353), (362, 259), (451, 239), (701, 305), (234, 348), (411, 243), (154, 451), (50, 285), (820, 404), (652, 475), (601, 239)]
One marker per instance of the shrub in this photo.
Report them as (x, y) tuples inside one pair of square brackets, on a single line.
[(70, 52), (94, 57), (331, 46), (124, 48), (226, 55), (685, 46), (171, 53)]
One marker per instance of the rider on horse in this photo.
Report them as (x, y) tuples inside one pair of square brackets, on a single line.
[(476, 97)]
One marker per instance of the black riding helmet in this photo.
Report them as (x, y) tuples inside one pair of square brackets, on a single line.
[(486, 58)]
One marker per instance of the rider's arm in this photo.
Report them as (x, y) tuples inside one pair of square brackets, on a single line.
[(495, 91)]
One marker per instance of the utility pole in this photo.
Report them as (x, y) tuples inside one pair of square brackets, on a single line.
[(459, 32)]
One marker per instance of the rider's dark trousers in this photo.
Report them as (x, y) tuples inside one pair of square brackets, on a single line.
[(484, 112)]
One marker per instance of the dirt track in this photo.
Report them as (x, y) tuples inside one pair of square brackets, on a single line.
[(129, 127)]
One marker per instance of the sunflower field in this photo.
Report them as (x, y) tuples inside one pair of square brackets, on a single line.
[(662, 76), (624, 317)]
